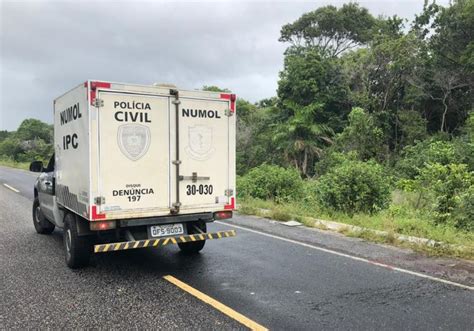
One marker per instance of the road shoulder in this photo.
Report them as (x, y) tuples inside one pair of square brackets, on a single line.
[(451, 269)]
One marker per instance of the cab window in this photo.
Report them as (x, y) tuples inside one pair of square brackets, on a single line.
[(50, 166)]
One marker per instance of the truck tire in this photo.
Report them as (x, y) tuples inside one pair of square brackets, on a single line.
[(193, 247), (42, 225), (78, 249)]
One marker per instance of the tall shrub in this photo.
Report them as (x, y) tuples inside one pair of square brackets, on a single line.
[(271, 182), (354, 186)]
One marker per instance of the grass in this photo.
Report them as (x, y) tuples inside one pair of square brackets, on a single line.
[(14, 164), (400, 219)]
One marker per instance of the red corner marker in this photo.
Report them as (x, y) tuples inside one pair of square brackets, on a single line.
[(94, 215), (93, 88), (230, 97)]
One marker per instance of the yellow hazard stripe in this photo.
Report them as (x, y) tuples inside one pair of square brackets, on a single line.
[(162, 242)]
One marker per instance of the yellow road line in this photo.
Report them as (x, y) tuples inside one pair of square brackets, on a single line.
[(216, 304), (11, 188)]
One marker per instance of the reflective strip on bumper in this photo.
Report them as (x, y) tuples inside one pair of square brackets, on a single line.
[(120, 246)]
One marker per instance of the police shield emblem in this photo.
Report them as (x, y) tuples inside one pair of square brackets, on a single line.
[(199, 142), (133, 140)]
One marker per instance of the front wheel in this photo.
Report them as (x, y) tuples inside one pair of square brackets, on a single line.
[(193, 247), (42, 225), (78, 248)]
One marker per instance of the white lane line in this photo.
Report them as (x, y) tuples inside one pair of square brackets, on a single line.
[(356, 258), (11, 188)]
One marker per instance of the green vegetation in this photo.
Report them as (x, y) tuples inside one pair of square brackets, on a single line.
[(32, 141), (12, 164), (271, 182), (400, 218), (376, 116), (354, 187)]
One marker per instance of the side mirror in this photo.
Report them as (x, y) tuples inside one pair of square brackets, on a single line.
[(36, 166)]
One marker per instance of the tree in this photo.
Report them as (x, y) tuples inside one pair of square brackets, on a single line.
[(412, 127), (31, 129), (255, 144), (213, 88), (441, 87), (4, 134), (309, 77), (301, 139), (362, 136), (447, 78), (32, 140), (330, 29)]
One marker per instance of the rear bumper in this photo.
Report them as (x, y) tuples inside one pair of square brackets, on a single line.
[(124, 223), (120, 246)]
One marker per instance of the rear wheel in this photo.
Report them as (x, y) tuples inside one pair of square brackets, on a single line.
[(193, 247), (42, 225), (78, 248)]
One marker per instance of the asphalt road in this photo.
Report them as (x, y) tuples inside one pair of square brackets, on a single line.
[(282, 278)]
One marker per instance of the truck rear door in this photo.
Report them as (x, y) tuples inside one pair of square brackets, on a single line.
[(134, 153), (203, 129)]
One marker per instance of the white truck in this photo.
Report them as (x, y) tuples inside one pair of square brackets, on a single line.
[(137, 166)]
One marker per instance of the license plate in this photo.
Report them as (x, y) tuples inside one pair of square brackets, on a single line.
[(166, 230)]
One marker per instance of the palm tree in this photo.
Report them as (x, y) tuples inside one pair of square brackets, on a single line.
[(300, 138)]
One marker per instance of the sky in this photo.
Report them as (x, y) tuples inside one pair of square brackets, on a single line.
[(48, 47)]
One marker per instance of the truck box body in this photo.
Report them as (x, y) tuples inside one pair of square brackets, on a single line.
[(128, 151)]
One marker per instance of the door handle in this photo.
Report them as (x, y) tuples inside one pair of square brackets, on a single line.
[(194, 178)]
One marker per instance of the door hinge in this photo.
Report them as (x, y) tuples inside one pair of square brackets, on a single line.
[(99, 201), (98, 103), (229, 192), (228, 113)]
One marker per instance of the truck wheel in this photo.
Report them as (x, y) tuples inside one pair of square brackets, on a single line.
[(42, 225), (78, 249), (193, 247)]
